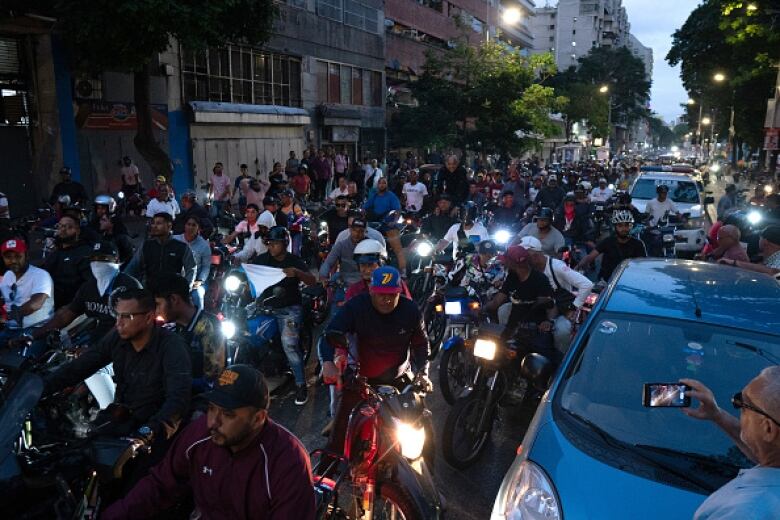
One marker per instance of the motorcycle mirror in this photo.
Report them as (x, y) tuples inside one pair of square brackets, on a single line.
[(537, 369), (337, 339)]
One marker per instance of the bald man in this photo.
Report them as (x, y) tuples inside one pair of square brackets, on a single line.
[(755, 492), (729, 247)]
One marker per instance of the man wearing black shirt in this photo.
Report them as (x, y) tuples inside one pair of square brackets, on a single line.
[(616, 248), (288, 305), (551, 196), (530, 295), (161, 255), (441, 220), (191, 208), (151, 367), (337, 218), (453, 181), (94, 296), (71, 188), (68, 264)]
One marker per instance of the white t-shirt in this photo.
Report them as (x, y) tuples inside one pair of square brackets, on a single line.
[(338, 192), (414, 195), (34, 281), (243, 227), (476, 234), (220, 185), (599, 195), (658, 209), (4, 213), (169, 206)]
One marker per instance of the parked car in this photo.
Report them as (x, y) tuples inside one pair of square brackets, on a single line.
[(593, 450)]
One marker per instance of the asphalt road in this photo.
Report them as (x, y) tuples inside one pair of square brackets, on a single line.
[(468, 494)]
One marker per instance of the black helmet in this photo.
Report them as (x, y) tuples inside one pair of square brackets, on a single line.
[(569, 198), (580, 188), (270, 200), (662, 188), (278, 234), (624, 197), (468, 212), (545, 213)]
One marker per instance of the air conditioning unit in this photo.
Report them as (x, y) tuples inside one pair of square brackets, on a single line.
[(86, 86)]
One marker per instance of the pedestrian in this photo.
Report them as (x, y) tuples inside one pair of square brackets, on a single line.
[(241, 185), (292, 164), (754, 493), (453, 181), (219, 189), (414, 192), (321, 171), (201, 252)]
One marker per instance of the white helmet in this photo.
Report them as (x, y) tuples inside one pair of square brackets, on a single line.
[(622, 216), (370, 247)]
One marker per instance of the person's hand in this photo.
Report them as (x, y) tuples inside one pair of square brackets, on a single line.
[(196, 284), (708, 408), (330, 373), (423, 383), (545, 326), (726, 261), (290, 272)]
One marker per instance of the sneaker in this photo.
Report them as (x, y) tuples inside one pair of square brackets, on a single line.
[(301, 395)]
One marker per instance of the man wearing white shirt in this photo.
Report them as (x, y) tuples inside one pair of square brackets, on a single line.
[(27, 291), (661, 206), (248, 225), (340, 190), (415, 192), (255, 246), (164, 203), (560, 276), (467, 231), (602, 193)]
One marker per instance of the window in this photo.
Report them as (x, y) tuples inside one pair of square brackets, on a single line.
[(329, 9), (357, 87), (552, 27), (361, 16), (322, 82), (334, 83), (241, 74), (346, 85), (377, 89)]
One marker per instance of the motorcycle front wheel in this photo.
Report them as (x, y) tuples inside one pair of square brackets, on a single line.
[(465, 437), (392, 502), (456, 373), (436, 327)]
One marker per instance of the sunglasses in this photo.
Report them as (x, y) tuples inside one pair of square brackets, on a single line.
[(739, 403)]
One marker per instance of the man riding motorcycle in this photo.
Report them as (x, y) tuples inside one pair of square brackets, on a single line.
[(68, 265), (464, 235), (482, 271), (552, 240), (441, 220), (615, 248)]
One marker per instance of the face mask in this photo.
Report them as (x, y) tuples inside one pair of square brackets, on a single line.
[(103, 272)]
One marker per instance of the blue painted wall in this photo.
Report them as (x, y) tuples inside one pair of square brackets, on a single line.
[(62, 79), (180, 151)]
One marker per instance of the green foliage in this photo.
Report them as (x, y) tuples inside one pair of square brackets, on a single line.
[(662, 135), (484, 98)]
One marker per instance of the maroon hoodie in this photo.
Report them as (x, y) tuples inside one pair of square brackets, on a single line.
[(268, 480)]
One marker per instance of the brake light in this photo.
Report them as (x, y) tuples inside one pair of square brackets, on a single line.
[(474, 305), (216, 259), (439, 307)]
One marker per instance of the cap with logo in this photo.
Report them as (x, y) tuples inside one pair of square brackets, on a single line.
[(239, 386), (104, 249), (385, 280), (14, 244), (358, 223)]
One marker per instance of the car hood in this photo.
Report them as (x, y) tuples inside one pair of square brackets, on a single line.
[(696, 210), (590, 489)]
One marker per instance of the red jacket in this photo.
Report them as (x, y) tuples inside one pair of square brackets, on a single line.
[(268, 480)]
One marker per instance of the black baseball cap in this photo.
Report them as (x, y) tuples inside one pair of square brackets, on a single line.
[(358, 222), (239, 386), (104, 249)]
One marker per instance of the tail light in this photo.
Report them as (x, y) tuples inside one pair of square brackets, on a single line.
[(216, 259)]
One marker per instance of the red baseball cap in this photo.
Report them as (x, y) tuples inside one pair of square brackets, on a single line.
[(517, 254), (14, 244)]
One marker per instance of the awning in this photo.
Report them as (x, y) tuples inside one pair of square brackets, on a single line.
[(237, 113)]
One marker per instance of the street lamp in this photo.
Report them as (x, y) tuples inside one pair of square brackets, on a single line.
[(752, 7), (603, 89), (705, 121), (511, 16), (719, 77), (691, 101)]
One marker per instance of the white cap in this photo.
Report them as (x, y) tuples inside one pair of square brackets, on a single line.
[(266, 219), (531, 244)]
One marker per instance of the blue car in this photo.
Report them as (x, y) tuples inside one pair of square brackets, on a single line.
[(593, 450)]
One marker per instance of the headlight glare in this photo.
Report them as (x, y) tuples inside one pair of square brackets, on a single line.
[(485, 349), (530, 495), (410, 438), (228, 329), (754, 217), (502, 236), (232, 283), (452, 308), (424, 249)]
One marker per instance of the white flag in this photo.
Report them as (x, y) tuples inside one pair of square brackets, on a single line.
[(261, 277)]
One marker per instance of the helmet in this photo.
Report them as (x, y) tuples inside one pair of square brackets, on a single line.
[(662, 188), (369, 251), (569, 198), (65, 170), (579, 188), (278, 234), (64, 200), (624, 197), (286, 193), (545, 213), (622, 216), (106, 200), (468, 212)]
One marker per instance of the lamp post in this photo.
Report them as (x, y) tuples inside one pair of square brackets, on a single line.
[(719, 77), (705, 121), (604, 89)]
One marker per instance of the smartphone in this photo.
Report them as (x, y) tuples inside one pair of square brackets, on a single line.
[(666, 395)]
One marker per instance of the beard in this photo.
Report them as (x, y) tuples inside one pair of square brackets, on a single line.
[(220, 439)]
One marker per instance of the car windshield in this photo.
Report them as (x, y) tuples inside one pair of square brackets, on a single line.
[(683, 192), (604, 385)]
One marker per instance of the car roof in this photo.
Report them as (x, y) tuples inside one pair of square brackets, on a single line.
[(674, 288), (668, 176)]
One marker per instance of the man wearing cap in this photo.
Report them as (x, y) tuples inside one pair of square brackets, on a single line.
[(152, 370), (532, 301), (67, 186), (160, 254), (481, 271), (191, 208), (27, 291), (769, 245), (370, 232), (94, 297), (255, 244), (661, 206), (570, 288), (551, 196), (236, 462), (542, 229), (336, 218), (601, 193), (271, 204), (163, 203), (391, 343), (342, 253), (68, 264)]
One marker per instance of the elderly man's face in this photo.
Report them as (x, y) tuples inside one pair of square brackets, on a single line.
[(758, 432), (727, 237)]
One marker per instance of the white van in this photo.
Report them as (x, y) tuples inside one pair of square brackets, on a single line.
[(686, 194)]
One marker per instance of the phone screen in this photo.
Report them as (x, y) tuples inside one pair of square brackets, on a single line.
[(665, 395)]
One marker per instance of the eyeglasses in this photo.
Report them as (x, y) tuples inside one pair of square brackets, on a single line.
[(739, 402), (124, 316)]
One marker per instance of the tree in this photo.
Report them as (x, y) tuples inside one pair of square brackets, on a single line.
[(127, 35), (485, 98), (663, 136)]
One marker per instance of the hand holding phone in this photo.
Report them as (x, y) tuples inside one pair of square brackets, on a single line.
[(666, 395)]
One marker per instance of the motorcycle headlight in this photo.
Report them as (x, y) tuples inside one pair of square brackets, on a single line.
[(323, 225), (411, 439), (452, 308), (611, 186), (768, 189), (120, 195), (401, 220), (232, 283), (485, 349), (502, 236), (424, 249), (528, 495), (754, 217), (228, 329)]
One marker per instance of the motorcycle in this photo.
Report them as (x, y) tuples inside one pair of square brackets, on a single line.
[(249, 325), (457, 365), (498, 381), (436, 321), (384, 471), (420, 275), (131, 203)]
